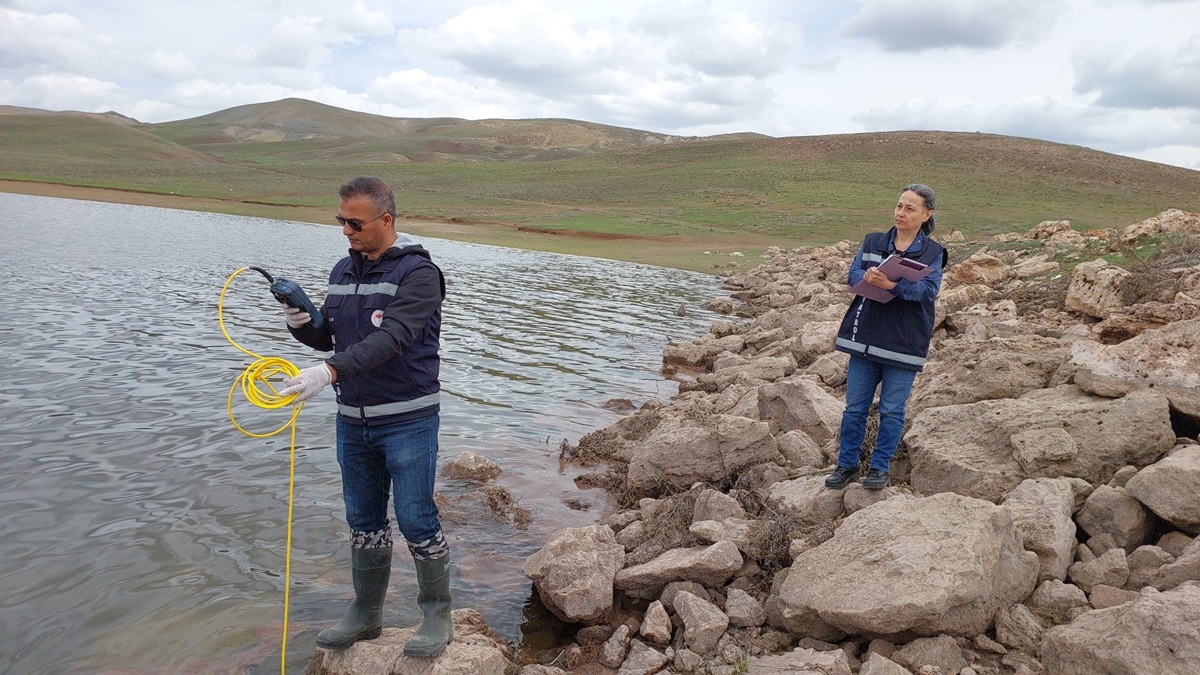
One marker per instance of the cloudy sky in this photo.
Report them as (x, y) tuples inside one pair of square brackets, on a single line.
[(1116, 75)]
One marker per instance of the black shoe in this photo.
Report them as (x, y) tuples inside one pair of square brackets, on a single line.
[(876, 480), (841, 477)]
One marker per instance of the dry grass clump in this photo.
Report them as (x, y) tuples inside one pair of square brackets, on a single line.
[(1152, 278)]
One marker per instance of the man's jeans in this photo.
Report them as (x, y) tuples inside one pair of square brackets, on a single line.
[(863, 376), (401, 456)]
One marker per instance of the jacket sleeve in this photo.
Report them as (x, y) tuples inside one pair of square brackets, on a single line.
[(320, 339), (923, 290), (856, 268), (418, 297)]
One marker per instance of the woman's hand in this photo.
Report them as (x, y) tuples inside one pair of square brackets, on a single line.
[(876, 278)]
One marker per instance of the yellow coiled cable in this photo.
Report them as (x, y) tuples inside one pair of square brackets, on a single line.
[(255, 382)]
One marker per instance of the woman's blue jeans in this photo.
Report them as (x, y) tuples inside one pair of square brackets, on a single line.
[(863, 377), (400, 457)]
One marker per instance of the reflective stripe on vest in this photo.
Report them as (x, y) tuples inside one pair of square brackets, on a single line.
[(881, 353), (872, 257), (384, 409), (363, 289)]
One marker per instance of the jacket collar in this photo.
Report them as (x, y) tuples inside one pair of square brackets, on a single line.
[(913, 248)]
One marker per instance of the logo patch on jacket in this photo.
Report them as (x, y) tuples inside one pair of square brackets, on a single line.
[(377, 318)]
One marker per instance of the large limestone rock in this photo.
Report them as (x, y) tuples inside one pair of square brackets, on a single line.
[(909, 567), (681, 452), (1171, 220), (800, 404), (1098, 288), (801, 660), (1170, 487), (707, 565), (1157, 633), (574, 573), (703, 623), (1165, 359), (475, 650), (986, 449), (1112, 511), (806, 500), (701, 352), (965, 371), (1041, 511), (980, 268)]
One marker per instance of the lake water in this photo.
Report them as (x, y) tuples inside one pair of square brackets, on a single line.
[(142, 533)]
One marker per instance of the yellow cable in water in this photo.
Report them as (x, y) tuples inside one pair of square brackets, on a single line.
[(261, 372)]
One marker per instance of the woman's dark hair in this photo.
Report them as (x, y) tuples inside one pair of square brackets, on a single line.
[(930, 198), (372, 188)]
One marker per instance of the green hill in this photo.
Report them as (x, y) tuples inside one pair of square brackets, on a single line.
[(555, 176)]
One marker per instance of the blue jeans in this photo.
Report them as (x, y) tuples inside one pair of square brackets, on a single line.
[(399, 457), (863, 376)]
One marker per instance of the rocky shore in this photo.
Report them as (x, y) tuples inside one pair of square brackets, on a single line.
[(1046, 499)]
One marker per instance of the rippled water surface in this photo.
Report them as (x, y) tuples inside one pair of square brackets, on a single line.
[(140, 532)]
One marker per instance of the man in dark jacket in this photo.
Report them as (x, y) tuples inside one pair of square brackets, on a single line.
[(383, 316)]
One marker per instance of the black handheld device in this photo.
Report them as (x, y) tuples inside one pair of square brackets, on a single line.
[(289, 293)]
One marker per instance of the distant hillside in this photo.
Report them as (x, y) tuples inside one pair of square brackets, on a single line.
[(295, 119), (593, 180)]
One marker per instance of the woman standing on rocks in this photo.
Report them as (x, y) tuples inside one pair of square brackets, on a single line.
[(887, 341)]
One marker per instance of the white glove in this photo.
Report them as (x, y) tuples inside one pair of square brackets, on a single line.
[(295, 316), (308, 383)]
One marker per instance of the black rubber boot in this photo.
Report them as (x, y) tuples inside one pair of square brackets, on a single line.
[(371, 568), (436, 631)]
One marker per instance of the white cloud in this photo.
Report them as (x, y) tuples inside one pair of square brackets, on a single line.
[(67, 92), (1151, 77), (919, 25), (54, 40)]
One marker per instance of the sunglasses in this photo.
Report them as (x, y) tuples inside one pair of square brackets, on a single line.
[(356, 225)]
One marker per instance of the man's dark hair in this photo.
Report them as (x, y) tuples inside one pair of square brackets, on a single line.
[(372, 188), (926, 193)]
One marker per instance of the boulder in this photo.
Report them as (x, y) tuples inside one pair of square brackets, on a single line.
[(656, 624), (919, 567), (803, 405), (643, 660), (703, 623), (1098, 288), (701, 352), (980, 268), (706, 565), (1165, 359), (1156, 633), (800, 660), (1055, 602), (680, 452), (743, 610), (941, 651), (1171, 220), (806, 500), (1169, 488), (475, 650), (1041, 511), (574, 573), (965, 372), (471, 466), (1110, 569), (1115, 512), (970, 448)]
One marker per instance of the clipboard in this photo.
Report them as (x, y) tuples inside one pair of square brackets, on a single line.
[(895, 268)]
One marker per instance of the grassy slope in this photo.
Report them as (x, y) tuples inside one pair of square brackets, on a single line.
[(592, 189)]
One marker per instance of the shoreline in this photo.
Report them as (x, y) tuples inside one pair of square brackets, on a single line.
[(709, 255)]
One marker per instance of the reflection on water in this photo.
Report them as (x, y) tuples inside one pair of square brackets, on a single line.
[(142, 533)]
